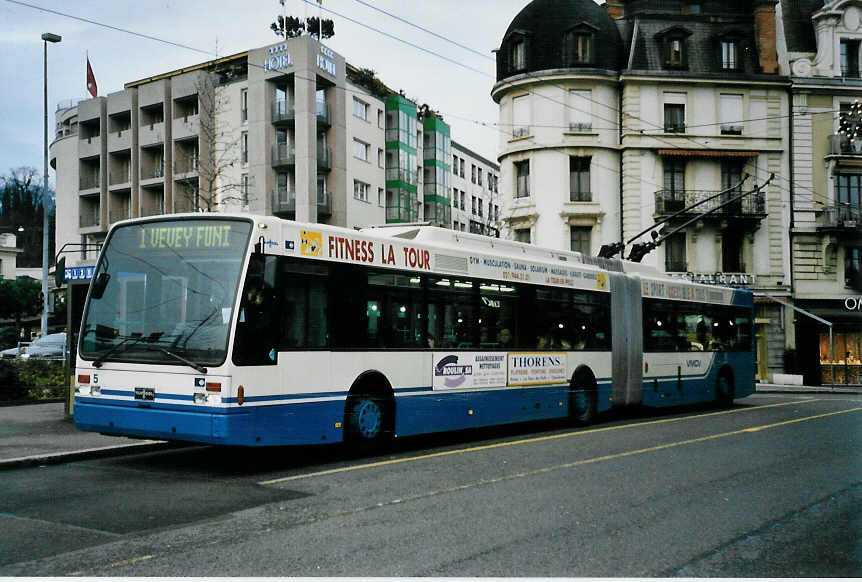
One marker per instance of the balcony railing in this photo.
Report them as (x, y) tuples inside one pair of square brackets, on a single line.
[(676, 267), (88, 181), (670, 201), (324, 157), (283, 111), (674, 128), (521, 131), (842, 145), (283, 155), (284, 202), (186, 165), (152, 172), (842, 216), (323, 115)]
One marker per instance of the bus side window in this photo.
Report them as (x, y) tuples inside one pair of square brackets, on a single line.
[(257, 334)]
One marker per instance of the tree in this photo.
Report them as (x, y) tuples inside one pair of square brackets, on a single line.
[(216, 157), (293, 27), (288, 27), (22, 298), (21, 208)]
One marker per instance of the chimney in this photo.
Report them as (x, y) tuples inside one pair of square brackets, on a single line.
[(764, 27), (616, 8)]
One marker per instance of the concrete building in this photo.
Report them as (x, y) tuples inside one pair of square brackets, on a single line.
[(623, 114), (9, 252), (289, 129), (821, 53), (475, 192)]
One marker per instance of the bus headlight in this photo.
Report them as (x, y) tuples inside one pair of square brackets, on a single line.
[(200, 398)]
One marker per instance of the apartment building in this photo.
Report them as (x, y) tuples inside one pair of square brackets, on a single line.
[(821, 54), (290, 129), (624, 114), (475, 192)]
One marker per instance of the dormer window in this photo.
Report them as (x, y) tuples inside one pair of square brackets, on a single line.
[(729, 47), (674, 44), (519, 55), (729, 54), (578, 47), (674, 53)]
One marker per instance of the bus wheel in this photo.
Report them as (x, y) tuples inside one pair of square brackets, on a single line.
[(582, 402), (724, 390), (366, 419)]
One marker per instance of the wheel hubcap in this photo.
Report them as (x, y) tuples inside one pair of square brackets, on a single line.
[(369, 417)]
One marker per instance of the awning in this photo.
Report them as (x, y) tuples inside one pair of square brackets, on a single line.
[(707, 153)]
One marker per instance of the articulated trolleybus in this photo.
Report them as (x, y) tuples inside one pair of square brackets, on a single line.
[(244, 330)]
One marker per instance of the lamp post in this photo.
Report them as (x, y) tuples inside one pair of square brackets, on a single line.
[(46, 255)]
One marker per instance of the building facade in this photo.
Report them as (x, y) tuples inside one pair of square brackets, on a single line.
[(821, 53), (289, 129), (475, 192), (626, 114)]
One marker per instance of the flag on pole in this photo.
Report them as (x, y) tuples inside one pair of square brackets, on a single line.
[(91, 80)]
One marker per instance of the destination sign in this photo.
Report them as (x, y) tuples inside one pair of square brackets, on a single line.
[(208, 236)]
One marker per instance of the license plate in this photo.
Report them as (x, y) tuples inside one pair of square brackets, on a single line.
[(145, 393)]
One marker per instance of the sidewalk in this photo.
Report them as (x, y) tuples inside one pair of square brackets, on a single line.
[(40, 434)]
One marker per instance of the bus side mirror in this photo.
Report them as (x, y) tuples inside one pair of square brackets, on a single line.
[(60, 272), (99, 284)]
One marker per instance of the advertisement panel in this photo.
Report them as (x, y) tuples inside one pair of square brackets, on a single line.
[(466, 370)]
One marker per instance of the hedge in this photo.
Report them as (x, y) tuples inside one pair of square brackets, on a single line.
[(31, 380)]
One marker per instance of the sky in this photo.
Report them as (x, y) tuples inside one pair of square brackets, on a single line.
[(458, 86)]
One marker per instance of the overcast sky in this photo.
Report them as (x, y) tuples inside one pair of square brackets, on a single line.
[(226, 27)]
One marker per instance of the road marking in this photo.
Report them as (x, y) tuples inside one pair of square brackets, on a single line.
[(523, 474), (130, 561), (520, 442)]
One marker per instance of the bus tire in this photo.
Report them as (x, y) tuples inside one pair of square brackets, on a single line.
[(724, 389), (368, 420), (583, 401)]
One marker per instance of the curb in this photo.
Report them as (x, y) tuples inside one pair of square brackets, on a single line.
[(790, 389), (94, 453)]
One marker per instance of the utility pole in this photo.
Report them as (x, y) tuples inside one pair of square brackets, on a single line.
[(46, 255)]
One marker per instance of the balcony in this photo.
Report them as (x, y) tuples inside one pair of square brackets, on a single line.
[(283, 155), (674, 128), (841, 217), (284, 202), (152, 172), (88, 181), (283, 112), (324, 158), (324, 117), (842, 145), (186, 165), (752, 206)]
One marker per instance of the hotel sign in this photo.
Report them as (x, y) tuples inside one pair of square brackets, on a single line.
[(278, 58)]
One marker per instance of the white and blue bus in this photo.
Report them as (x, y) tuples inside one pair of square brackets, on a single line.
[(246, 330)]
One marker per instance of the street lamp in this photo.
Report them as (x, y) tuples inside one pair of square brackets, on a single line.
[(46, 255)]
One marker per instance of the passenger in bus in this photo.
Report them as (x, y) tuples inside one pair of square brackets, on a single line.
[(504, 337), (543, 342)]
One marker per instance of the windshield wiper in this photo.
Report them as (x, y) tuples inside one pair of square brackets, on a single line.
[(185, 361), (137, 337)]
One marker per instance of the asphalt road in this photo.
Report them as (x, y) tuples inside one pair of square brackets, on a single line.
[(769, 488)]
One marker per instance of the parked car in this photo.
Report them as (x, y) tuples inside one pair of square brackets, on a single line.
[(14, 352), (48, 347)]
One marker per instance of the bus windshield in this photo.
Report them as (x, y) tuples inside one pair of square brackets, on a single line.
[(163, 292)]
